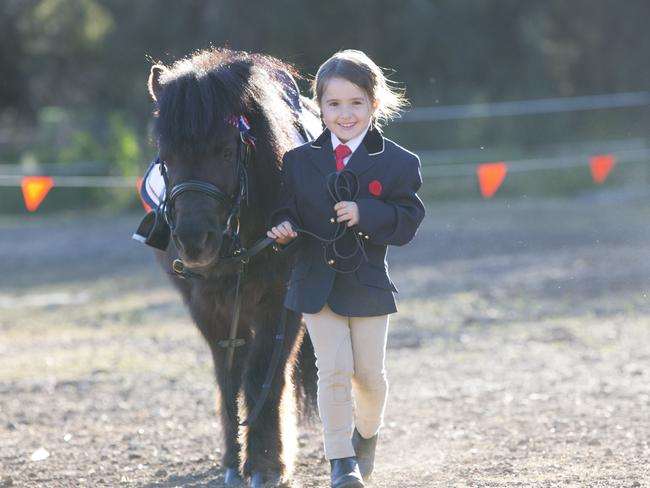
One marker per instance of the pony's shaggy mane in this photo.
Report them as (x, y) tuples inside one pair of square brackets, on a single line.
[(200, 91)]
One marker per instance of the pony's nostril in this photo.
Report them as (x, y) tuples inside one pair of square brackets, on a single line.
[(195, 245)]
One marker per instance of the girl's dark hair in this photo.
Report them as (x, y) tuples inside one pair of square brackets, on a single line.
[(356, 67)]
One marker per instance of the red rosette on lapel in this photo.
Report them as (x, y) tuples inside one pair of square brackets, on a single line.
[(375, 187)]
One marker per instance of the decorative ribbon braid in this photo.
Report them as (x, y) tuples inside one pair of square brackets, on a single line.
[(241, 123)]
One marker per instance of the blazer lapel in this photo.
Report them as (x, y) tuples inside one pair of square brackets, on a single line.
[(323, 155), (365, 155)]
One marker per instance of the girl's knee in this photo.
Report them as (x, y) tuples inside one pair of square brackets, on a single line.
[(335, 385), (370, 380), (335, 375)]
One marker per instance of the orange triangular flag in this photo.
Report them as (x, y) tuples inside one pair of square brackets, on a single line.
[(490, 177), (147, 208), (34, 190), (601, 165)]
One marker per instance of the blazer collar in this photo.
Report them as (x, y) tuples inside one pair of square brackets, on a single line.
[(374, 141), (360, 161)]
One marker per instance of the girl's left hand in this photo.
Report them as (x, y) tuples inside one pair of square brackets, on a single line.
[(347, 211)]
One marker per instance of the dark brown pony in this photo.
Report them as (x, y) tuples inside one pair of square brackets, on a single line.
[(194, 100)]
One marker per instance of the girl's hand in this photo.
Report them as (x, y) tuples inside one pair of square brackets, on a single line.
[(347, 212), (283, 233)]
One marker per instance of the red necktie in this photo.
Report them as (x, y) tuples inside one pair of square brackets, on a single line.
[(342, 151)]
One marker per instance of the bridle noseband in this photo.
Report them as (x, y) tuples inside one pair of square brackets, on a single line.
[(231, 202)]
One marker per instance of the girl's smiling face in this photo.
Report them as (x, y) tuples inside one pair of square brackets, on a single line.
[(346, 108)]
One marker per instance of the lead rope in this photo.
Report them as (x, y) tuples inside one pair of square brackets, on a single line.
[(341, 186)]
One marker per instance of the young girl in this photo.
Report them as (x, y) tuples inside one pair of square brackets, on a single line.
[(350, 194)]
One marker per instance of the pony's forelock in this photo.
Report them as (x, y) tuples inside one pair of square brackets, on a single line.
[(200, 91)]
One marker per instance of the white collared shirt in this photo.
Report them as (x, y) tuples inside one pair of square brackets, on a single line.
[(353, 144)]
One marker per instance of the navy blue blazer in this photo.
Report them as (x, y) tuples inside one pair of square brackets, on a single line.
[(390, 213)]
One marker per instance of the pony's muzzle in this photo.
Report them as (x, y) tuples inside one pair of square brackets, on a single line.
[(197, 247)]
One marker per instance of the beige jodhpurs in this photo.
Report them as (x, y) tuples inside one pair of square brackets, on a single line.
[(350, 354)]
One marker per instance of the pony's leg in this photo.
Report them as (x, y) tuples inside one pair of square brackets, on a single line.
[(232, 448), (271, 439)]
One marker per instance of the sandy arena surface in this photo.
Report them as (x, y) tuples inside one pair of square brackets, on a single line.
[(520, 356)]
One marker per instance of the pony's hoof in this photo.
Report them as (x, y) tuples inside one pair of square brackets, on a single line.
[(266, 479), (232, 478)]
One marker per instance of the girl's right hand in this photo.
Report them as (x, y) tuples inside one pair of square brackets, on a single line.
[(283, 233)]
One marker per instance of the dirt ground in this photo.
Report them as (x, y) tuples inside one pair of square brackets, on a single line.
[(520, 356)]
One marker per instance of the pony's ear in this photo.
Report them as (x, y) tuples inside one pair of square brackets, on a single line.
[(157, 71)]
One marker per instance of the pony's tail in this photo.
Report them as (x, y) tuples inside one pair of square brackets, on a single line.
[(305, 377)]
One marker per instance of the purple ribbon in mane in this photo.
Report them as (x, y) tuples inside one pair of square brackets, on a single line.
[(244, 127)]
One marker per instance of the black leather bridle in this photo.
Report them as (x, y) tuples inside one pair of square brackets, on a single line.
[(231, 247)]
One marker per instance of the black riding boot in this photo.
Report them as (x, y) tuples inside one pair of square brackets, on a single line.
[(345, 473), (365, 451)]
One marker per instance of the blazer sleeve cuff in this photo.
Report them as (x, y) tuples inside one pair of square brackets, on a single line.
[(375, 217)]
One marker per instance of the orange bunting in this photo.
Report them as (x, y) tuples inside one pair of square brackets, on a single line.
[(490, 177), (35, 188), (601, 165), (147, 208)]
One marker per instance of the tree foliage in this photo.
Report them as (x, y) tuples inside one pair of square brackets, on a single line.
[(93, 56)]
